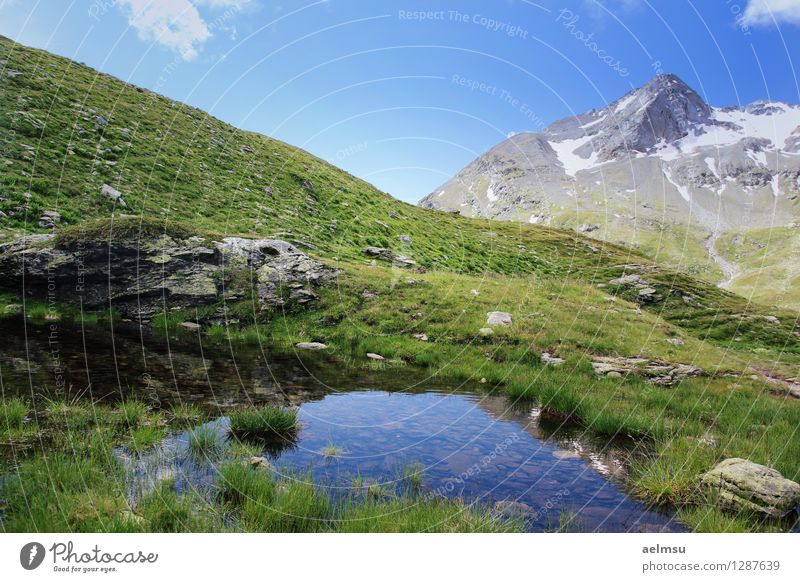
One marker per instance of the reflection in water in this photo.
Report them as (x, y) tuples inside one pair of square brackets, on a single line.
[(467, 442)]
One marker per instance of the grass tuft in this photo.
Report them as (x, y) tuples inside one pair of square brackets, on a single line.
[(264, 422)]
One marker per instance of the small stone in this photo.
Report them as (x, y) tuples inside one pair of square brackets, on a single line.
[(614, 374), (483, 380), (368, 294), (551, 360), (475, 292), (499, 318), (379, 253), (675, 341), (372, 356), (512, 509), (310, 346), (404, 238), (486, 331), (112, 194), (423, 337), (190, 325), (259, 462), (403, 261)]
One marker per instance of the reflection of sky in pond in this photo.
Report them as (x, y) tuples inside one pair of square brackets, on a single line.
[(463, 449)]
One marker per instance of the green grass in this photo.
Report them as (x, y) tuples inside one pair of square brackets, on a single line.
[(204, 442), (186, 414), (332, 451), (143, 438), (132, 412), (12, 413), (264, 422)]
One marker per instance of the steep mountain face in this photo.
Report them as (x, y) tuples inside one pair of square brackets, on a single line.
[(658, 169)]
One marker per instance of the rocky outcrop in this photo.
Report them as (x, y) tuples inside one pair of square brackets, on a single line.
[(661, 373), (744, 485), (145, 276)]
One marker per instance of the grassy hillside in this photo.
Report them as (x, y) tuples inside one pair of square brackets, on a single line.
[(67, 130)]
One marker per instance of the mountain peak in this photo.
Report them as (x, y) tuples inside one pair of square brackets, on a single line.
[(662, 110)]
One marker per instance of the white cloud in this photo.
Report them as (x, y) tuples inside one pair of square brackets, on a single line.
[(766, 12), (176, 24)]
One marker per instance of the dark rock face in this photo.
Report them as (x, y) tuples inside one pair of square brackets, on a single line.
[(145, 277)]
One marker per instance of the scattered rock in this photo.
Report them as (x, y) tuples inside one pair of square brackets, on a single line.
[(771, 319), (190, 325), (632, 279), (663, 374), (675, 341), (310, 346), (499, 318), (475, 292), (551, 360), (404, 238), (49, 219), (379, 253), (742, 484), (259, 463), (588, 227), (423, 337), (113, 194), (512, 509), (486, 331), (708, 440), (367, 294), (403, 261), (372, 356)]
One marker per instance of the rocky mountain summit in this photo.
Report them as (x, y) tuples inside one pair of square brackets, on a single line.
[(143, 277), (658, 169)]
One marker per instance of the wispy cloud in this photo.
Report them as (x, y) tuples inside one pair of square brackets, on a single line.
[(766, 12), (176, 24)]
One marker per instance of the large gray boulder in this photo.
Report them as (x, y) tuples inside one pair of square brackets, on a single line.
[(142, 277), (742, 484)]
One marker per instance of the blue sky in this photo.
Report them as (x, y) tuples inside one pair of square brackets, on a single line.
[(405, 93)]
